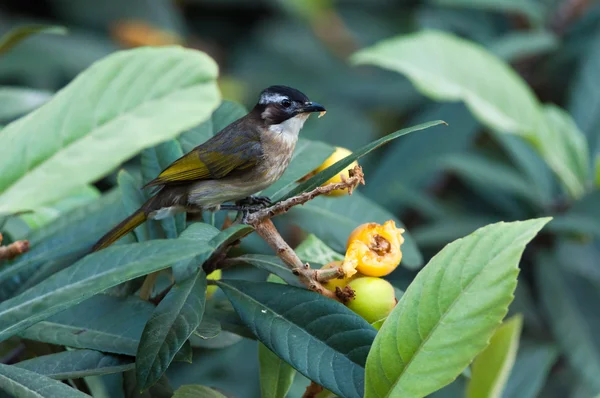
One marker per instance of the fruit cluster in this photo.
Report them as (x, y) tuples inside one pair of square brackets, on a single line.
[(372, 251)]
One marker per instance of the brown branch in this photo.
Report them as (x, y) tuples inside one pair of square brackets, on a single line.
[(14, 249), (312, 390), (266, 230), (355, 178), (264, 227)]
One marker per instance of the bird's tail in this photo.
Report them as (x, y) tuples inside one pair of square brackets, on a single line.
[(122, 229)]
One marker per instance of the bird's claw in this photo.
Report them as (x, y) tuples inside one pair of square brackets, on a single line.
[(256, 202)]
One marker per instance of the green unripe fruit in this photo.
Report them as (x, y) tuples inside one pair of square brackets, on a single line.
[(374, 298)]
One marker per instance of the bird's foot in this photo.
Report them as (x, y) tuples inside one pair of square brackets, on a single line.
[(260, 201)]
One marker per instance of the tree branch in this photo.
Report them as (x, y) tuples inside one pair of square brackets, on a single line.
[(355, 178), (14, 249)]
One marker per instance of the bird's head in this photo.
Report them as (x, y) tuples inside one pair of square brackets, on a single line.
[(278, 104)]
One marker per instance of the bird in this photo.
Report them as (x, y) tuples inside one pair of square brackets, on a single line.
[(244, 158)]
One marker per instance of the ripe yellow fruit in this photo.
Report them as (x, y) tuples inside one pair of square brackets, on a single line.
[(374, 249), (374, 298), (339, 154), (211, 289), (333, 283)]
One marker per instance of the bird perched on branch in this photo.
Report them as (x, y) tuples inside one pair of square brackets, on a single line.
[(242, 159)]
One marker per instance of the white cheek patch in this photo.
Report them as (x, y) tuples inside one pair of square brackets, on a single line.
[(270, 98)]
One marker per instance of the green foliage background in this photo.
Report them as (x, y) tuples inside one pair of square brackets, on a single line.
[(516, 81)]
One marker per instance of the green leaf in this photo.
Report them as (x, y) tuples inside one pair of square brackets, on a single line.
[(570, 303), (26, 384), (13, 37), (72, 233), (314, 250), (271, 264), (154, 160), (449, 312), (319, 337), (17, 101), (172, 323), (129, 101), (133, 198), (219, 238), (48, 213), (447, 68), (333, 219), (533, 364), (103, 323), (342, 164), (76, 364), (227, 113), (91, 275), (195, 231), (491, 368), (276, 376), (195, 391)]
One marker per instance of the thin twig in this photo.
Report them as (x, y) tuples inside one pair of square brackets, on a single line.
[(14, 249), (266, 230), (355, 178)]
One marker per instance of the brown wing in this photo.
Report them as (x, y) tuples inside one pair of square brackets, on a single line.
[(230, 150)]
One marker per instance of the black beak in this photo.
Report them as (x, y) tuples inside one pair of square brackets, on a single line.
[(312, 107)]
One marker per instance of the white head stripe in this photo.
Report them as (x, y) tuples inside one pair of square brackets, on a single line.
[(270, 98)]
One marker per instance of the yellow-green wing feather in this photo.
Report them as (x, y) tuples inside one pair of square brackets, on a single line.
[(226, 152)]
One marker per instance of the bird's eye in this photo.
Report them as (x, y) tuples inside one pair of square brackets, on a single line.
[(286, 103)]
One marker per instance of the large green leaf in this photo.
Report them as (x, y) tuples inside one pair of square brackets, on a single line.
[(52, 211), (449, 312), (91, 275), (127, 102), (333, 219), (570, 302), (319, 337), (447, 68), (172, 323), (23, 383), (196, 391), (103, 322), (75, 364), (491, 368), (276, 376), (72, 233), (342, 164), (13, 37)]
